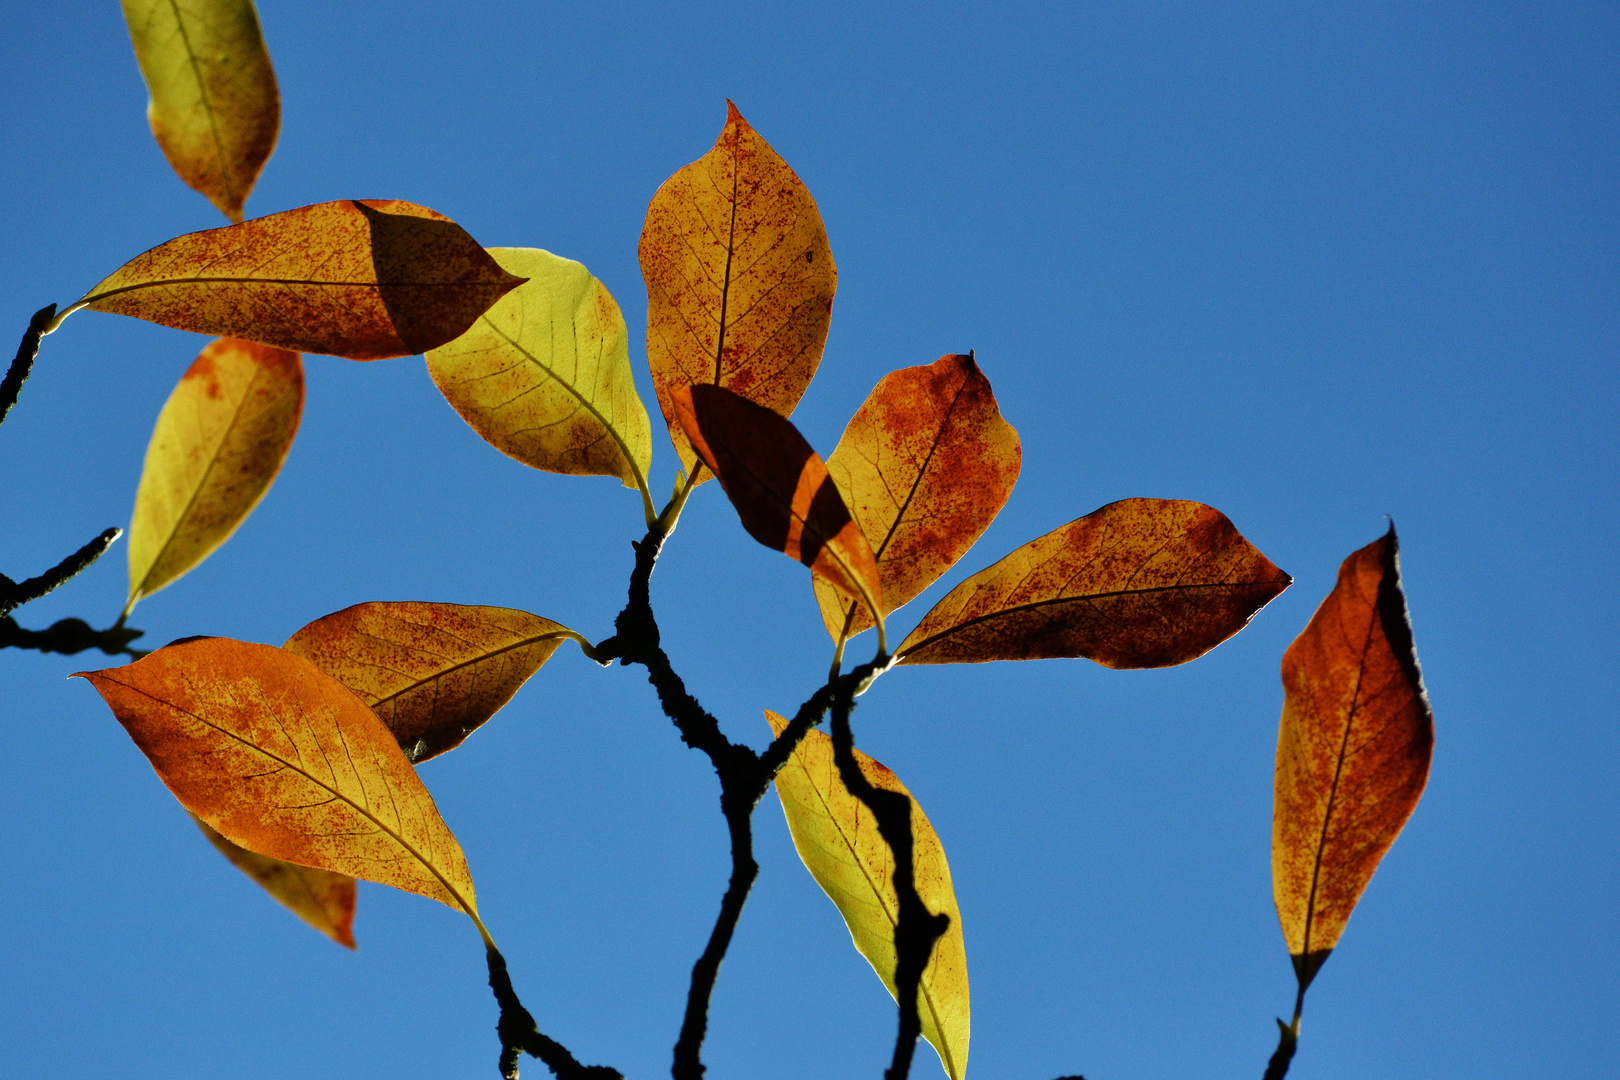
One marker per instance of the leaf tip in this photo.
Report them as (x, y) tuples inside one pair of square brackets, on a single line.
[(735, 117)]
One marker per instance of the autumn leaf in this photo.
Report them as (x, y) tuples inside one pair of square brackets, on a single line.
[(1139, 583), (779, 486), (431, 672), (924, 466), (838, 839), (544, 375), (282, 759), (1352, 753), (364, 279), (214, 106), (739, 278), (218, 444), (321, 898)]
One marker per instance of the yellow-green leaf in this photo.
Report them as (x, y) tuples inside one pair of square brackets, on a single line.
[(740, 279), (544, 375), (214, 107), (284, 760), (838, 839), (218, 444), (321, 898), (431, 672)]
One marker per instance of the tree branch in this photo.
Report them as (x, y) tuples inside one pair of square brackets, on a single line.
[(1287, 1043), (11, 385), (520, 1035), (70, 636), (917, 929), (14, 595)]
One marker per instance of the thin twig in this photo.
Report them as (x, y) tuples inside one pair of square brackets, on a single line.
[(70, 636), (1287, 1043), (519, 1034), (11, 385), (14, 595)]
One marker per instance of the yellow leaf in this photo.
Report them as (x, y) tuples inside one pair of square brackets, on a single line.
[(1139, 583), (284, 760), (838, 839), (544, 375), (217, 446), (739, 276), (214, 107), (924, 466), (431, 672), (364, 279), (321, 898), (1353, 752)]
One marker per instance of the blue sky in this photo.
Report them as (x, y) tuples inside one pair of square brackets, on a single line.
[(1312, 266)]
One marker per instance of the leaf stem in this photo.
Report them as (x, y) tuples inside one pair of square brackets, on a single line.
[(671, 514)]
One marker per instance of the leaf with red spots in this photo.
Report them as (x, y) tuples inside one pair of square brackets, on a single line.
[(214, 108), (924, 466), (431, 672), (218, 444), (363, 279), (1353, 752), (282, 759), (780, 488), (739, 276), (1139, 583)]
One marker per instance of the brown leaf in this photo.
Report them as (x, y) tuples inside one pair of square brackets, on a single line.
[(739, 278), (1352, 753), (363, 279), (779, 486), (1139, 583), (321, 898), (924, 466), (284, 760), (216, 448), (838, 839), (214, 106), (431, 672)]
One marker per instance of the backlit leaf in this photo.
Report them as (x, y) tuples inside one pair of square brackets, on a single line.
[(321, 898), (1352, 753), (284, 760), (431, 672), (214, 106), (924, 466), (838, 839), (1139, 583), (544, 375), (363, 279), (779, 486), (739, 278), (217, 446)]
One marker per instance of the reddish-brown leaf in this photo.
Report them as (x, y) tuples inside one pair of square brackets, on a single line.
[(321, 898), (431, 672), (739, 278), (364, 279), (284, 760), (924, 466), (1139, 583), (779, 486), (1352, 753)]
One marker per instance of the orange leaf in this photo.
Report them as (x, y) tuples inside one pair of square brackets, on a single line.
[(1352, 753), (366, 280), (1139, 583), (284, 760), (779, 486), (739, 278), (924, 466), (431, 672), (321, 898)]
